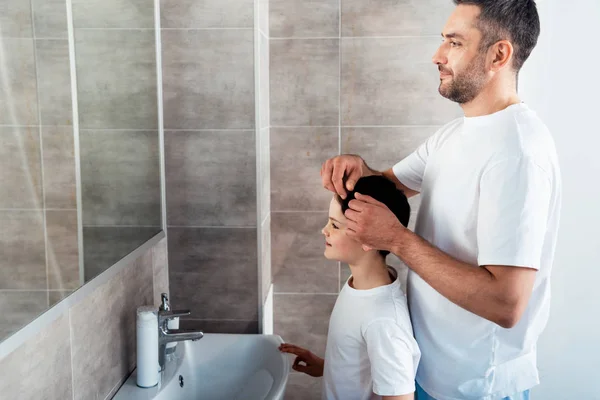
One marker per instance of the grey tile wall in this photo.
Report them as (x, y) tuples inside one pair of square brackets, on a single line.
[(208, 79), (120, 175), (18, 93), (312, 18), (60, 187), (15, 19), (303, 387), (392, 81), (37, 167), (93, 342), (207, 14), (220, 326), (382, 147), (54, 81), (214, 137), (49, 18), (394, 18), (160, 265), (211, 178), (20, 168), (130, 14), (296, 158), (297, 254), (54, 296), (104, 246), (23, 261), (20, 308), (28, 375), (304, 82), (62, 250), (213, 272), (116, 79), (95, 376), (303, 319)]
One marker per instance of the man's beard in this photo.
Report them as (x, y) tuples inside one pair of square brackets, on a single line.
[(466, 85)]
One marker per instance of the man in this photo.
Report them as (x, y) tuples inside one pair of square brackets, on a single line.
[(482, 251)]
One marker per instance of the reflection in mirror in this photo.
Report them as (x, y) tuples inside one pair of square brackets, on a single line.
[(75, 198)]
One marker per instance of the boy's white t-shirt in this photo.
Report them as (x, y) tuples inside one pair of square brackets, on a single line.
[(370, 345), (490, 195)]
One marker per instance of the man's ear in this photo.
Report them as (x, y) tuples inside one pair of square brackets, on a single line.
[(502, 55)]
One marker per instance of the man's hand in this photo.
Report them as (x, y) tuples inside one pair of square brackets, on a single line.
[(346, 167), (372, 223), (312, 364)]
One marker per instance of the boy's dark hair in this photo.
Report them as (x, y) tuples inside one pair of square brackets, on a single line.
[(514, 20), (383, 190)]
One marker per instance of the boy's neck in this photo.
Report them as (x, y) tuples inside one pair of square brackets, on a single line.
[(369, 274)]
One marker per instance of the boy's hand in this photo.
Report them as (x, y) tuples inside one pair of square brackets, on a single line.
[(313, 365)]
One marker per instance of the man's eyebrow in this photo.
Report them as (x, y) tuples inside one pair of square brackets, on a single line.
[(453, 35)]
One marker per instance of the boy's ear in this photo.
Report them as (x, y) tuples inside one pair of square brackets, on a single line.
[(366, 248)]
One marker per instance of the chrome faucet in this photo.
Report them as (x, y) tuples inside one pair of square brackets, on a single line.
[(166, 335)]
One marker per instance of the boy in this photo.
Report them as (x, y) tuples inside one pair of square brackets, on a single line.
[(371, 353)]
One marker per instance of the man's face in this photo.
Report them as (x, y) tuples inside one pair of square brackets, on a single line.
[(462, 67)]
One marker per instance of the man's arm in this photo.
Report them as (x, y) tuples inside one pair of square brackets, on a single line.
[(403, 397), (497, 293)]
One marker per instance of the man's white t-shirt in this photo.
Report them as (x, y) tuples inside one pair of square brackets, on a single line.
[(490, 195), (370, 345)]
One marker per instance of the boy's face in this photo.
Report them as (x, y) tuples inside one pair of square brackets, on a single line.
[(339, 246)]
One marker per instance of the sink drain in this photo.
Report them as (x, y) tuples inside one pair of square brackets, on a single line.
[(180, 381)]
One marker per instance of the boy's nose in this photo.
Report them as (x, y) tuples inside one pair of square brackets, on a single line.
[(324, 231)]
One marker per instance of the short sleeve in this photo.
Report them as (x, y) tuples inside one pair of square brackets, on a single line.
[(411, 169), (514, 200), (393, 358)]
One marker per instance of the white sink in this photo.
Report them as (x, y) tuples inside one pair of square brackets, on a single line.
[(219, 366)]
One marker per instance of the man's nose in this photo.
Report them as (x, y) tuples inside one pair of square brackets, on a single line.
[(440, 56)]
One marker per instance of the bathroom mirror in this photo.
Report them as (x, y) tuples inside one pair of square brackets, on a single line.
[(80, 182)]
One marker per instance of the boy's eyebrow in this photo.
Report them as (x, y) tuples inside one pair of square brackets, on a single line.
[(335, 220)]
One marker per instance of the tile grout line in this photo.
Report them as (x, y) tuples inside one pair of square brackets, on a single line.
[(303, 294), (339, 37), (354, 126), (210, 227), (41, 153), (298, 211), (36, 290)]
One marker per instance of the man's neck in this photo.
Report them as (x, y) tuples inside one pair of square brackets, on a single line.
[(369, 274), (493, 98)]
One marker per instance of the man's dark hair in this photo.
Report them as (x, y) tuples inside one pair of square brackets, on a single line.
[(514, 20), (383, 190)]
